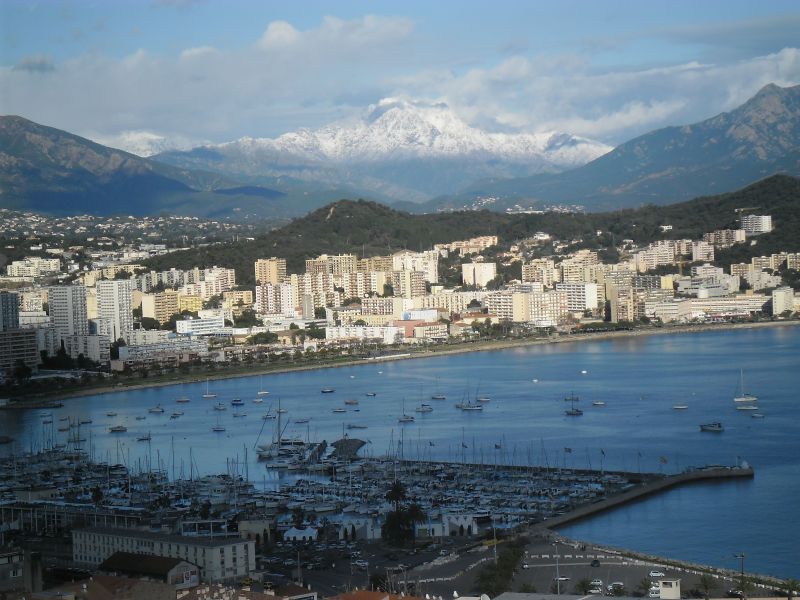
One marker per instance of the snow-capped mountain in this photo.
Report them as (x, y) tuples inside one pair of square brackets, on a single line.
[(398, 149)]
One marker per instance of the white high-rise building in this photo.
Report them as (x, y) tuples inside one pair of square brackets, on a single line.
[(114, 304), (67, 307), (757, 224)]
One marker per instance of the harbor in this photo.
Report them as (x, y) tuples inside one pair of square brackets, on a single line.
[(629, 425)]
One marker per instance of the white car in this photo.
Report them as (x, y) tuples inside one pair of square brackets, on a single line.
[(597, 583), (562, 578), (654, 594), (596, 591), (655, 573)]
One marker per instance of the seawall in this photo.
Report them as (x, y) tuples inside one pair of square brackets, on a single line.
[(647, 489)]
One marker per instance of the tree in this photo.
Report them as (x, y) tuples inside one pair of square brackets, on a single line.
[(319, 312), (396, 494), (583, 586), (22, 372), (644, 585), (97, 495), (706, 584), (388, 290), (792, 586), (149, 323)]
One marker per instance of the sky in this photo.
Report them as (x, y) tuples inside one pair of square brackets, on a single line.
[(184, 72)]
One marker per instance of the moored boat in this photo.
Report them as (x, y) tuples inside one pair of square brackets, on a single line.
[(680, 406), (327, 390), (117, 429), (715, 427)]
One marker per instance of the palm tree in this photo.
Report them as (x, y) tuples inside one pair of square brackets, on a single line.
[(706, 583), (396, 494)]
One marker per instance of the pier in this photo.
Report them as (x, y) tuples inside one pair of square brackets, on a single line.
[(699, 475)]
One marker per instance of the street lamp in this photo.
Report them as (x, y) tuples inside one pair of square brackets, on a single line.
[(740, 557), (558, 574)]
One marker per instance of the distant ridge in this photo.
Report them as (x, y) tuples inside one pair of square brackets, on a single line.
[(51, 171), (758, 139)]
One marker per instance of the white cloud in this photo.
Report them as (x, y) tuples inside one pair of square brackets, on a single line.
[(289, 78)]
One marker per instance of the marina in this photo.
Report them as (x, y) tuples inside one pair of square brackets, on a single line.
[(523, 425)]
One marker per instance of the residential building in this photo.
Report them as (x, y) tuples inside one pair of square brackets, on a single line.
[(194, 326), (426, 262), (160, 306), (93, 347), (33, 266), (581, 296), (478, 273), (189, 303), (408, 284), (114, 304), (332, 265), (20, 573), (270, 270), (68, 309), (220, 559), (385, 335), (725, 238), (782, 300), (176, 572), (542, 270), (757, 224), (18, 344), (9, 311)]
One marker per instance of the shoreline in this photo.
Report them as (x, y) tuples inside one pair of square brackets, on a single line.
[(463, 348)]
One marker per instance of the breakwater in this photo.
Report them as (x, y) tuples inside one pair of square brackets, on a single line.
[(705, 474)]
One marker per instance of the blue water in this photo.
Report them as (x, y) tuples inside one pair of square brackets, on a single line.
[(640, 379)]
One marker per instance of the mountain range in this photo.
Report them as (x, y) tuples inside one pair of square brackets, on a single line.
[(723, 153), (401, 150), (397, 150)]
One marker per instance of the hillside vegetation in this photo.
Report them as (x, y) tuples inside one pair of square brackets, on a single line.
[(370, 229)]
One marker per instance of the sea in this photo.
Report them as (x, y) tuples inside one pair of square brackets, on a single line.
[(523, 422)]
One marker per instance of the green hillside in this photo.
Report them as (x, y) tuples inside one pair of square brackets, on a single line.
[(370, 229)]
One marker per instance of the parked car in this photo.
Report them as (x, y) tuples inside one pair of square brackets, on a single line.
[(596, 591), (526, 566), (656, 573), (654, 594), (594, 563), (597, 583), (561, 578)]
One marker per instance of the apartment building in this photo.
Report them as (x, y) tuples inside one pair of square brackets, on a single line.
[(426, 262), (757, 224), (478, 273), (9, 311), (541, 270), (114, 305), (68, 309), (270, 270), (220, 559)]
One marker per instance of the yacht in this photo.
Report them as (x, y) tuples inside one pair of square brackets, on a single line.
[(118, 429), (355, 426), (405, 419), (302, 421), (598, 403), (715, 427), (424, 408), (156, 410), (680, 406), (747, 407), (176, 414), (469, 406), (327, 390), (218, 428), (261, 390), (111, 414), (85, 421), (183, 400), (757, 416), (484, 399), (371, 394), (144, 438), (220, 406), (257, 400), (339, 410), (237, 402), (139, 417), (351, 402)]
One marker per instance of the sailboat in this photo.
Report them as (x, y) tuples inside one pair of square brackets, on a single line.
[(405, 418), (261, 390), (218, 427), (573, 412), (743, 396), (208, 394)]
